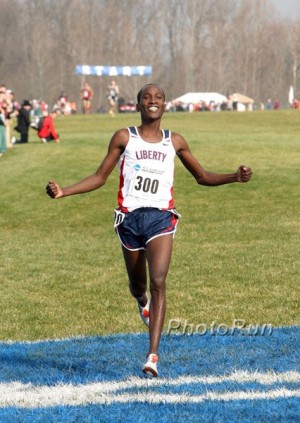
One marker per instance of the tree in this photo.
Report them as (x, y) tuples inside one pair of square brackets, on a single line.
[(192, 45)]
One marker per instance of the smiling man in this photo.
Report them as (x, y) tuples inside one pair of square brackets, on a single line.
[(146, 218)]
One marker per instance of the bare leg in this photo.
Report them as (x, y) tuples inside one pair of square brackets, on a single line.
[(136, 268), (158, 255), (159, 252)]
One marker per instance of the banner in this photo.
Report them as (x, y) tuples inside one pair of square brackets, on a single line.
[(114, 70)]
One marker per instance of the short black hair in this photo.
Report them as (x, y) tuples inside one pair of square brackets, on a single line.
[(140, 93)]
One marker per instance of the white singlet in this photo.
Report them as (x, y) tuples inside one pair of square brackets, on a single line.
[(146, 173)]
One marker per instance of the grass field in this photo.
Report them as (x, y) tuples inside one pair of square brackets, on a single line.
[(236, 251)]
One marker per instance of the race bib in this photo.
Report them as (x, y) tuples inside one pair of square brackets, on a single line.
[(146, 182)]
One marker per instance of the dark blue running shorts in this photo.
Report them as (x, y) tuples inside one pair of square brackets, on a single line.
[(135, 229)]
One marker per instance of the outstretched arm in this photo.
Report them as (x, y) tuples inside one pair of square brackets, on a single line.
[(98, 179), (203, 177)]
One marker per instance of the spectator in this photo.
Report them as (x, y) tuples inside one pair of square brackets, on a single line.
[(10, 112), (36, 111), (62, 102), (86, 97), (235, 102), (23, 124), (113, 94), (269, 104), (46, 129), (73, 107), (44, 107), (2, 130), (2, 92)]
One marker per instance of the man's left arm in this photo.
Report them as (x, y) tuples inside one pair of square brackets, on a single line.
[(202, 176)]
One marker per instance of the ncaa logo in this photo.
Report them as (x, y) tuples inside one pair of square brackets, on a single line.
[(137, 167)]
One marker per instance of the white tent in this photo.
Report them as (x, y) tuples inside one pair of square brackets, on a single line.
[(241, 98), (242, 102), (197, 98)]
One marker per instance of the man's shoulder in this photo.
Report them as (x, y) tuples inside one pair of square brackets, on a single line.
[(178, 141), (122, 132), (120, 138)]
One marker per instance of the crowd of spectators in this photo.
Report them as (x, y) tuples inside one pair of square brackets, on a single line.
[(28, 114), (202, 106), (31, 114), (64, 106), (230, 105)]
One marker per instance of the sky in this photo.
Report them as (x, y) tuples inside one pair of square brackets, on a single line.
[(288, 8)]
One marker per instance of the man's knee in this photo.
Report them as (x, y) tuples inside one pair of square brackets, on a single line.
[(158, 284), (137, 290)]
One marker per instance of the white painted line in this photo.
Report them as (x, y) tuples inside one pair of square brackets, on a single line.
[(28, 396), (17, 394)]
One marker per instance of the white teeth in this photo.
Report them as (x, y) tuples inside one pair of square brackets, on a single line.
[(153, 109)]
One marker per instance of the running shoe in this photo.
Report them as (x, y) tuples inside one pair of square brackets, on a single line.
[(144, 312), (150, 368)]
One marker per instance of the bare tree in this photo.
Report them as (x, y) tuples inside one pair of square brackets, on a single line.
[(192, 45)]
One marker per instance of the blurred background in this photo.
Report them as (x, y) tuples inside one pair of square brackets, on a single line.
[(234, 46)]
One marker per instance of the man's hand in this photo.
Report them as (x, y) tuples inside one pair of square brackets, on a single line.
[(54, 190), (244, 174)]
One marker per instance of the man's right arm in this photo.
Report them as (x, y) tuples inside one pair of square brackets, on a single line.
[(98, 179)]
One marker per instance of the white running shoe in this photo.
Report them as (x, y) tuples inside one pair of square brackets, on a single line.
[(150, 368), (144, 312)]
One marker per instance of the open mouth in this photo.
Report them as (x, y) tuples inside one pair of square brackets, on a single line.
[(153, 108)]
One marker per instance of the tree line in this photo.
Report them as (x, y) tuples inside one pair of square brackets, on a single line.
[(193, 45)]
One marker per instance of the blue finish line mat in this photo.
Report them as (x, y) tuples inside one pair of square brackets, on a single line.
[(231, 377)]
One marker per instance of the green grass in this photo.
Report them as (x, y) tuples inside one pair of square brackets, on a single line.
[(236, 251)]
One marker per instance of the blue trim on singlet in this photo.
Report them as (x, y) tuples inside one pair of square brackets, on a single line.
[(133, 131), (167, 133)]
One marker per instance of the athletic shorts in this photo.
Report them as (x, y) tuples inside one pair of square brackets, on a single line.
[(135, 229)]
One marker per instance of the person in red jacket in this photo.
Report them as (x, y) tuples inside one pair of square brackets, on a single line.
[(47, 132)]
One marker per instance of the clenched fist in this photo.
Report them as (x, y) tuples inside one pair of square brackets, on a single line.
[(244, 174), (54, 190)]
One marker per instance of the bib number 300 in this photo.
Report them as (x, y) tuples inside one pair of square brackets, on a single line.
[(146, 185)]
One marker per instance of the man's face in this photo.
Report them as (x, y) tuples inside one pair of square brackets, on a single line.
[(152, 103)]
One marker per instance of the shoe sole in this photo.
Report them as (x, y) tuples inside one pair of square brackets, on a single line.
[(150, 372)]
